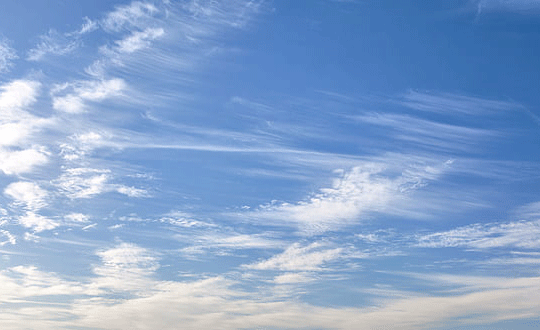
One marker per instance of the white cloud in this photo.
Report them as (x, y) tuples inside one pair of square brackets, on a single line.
[(9, 238), (455, 104), (520, 234), (125, 267), (53, 43), (16, 95), (23, 161), (73, 97), (203, 304), (28, 194), (428, 133), (87, 182), (129, 16), (37, 222), (130, 191), (363, 190), (31, 237), (293, 278), (210, 302), (297, 258), (80, 145), (77, 218), (83, 182), (529, 211), (88, 26), (139, 40), (7, 55)]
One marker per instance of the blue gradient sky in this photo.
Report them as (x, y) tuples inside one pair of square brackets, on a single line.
[(270, 164)]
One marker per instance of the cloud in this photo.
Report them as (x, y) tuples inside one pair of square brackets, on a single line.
[(88, 26), (87, 182), (76, 218), (28, 194), (293, 278), (312, 257), (53, 43), (37, 222), (72, 97), (129, 16), (125, 267), (16, 95), (435, 135), (529, 211), (23, 161), (363, 190), (7, 55), (80, 145), (83, 182), (139, 40), (519, 234), (9, 238), (204, 303), (455, 104), (508, 5), (137, 299)]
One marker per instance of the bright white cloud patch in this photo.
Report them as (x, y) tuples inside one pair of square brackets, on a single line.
[(17, 162), (28, 194), (72, 98), (16, 95), (37, 222), (77, 218)]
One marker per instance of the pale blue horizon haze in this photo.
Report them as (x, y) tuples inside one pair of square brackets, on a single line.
[(269, 164)]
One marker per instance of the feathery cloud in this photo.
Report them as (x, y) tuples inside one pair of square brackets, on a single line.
[(7, 55), (519, 234)]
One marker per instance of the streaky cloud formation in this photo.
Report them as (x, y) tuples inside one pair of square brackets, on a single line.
[(7, 55)]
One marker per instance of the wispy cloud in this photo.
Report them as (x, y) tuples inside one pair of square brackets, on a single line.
[(72, 97), (435, 135), (88, 182), (53, 43), (455, 104), (9, 238), (508, 5), (125, 267), (135, 14), (520, 234), (27, 194), (139, 40), (364, 189), (312, 257), (7, 55)]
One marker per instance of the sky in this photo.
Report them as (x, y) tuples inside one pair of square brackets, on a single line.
[(270, 164)]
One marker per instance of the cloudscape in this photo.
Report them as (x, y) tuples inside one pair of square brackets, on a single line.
[(269, 164)]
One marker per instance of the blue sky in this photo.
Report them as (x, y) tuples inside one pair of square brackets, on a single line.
[(328, 164)]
